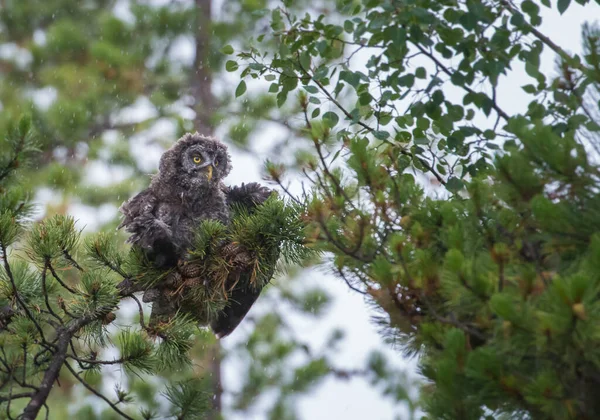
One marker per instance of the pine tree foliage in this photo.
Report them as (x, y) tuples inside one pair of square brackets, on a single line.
[(493, 280), (187, 399), (253, 242), (59, 298)]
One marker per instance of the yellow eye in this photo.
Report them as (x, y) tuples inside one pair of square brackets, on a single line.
[(216, 163), (197, 159)]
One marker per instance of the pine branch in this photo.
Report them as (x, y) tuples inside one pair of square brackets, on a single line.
[(70, 259), (15, 396), (59, 351), (64, 336), (59, 280), (23, 305), (20, 136), (46, 297)]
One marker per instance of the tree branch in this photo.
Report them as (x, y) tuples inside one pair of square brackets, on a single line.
[(445, 69), (553, 46), (16, 292), (64, 336), (57, 278)]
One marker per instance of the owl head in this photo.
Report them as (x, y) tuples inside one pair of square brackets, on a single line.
[(195, 161)]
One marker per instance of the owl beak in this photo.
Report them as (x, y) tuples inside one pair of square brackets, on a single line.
[(209, 172)]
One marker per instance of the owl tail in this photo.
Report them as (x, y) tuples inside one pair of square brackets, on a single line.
[(240, 302)]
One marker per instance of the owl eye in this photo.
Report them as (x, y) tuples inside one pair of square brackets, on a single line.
[(216, 163), (197, 159)]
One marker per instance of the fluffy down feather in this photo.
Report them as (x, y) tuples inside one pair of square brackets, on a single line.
[(188, 189)]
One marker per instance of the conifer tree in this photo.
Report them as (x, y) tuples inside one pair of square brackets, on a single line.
[(59, 299)]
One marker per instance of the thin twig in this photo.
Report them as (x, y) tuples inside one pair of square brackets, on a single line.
[(15, 396), (69, 258), (140, 310), (343, 276), (96, 393), (64, 336), (75, 292), (98, 362), (445, 69), (553, 46), (45, 292)]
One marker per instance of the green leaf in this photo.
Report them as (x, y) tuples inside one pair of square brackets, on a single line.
[(281, 98), (408, 80), (227, 49), (231, 65), (381, 135), (241, 89), (454, 184), (349, 26), (365, 98), (489, 134), (331, 119), (530, 8), (563, 5)]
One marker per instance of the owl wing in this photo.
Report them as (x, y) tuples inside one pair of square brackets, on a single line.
[(148, 232), (247, 195), (244, 294)]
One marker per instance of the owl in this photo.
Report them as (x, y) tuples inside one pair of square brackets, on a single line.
[(188, 189)]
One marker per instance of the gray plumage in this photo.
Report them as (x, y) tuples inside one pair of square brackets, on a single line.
[(188, 189)]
